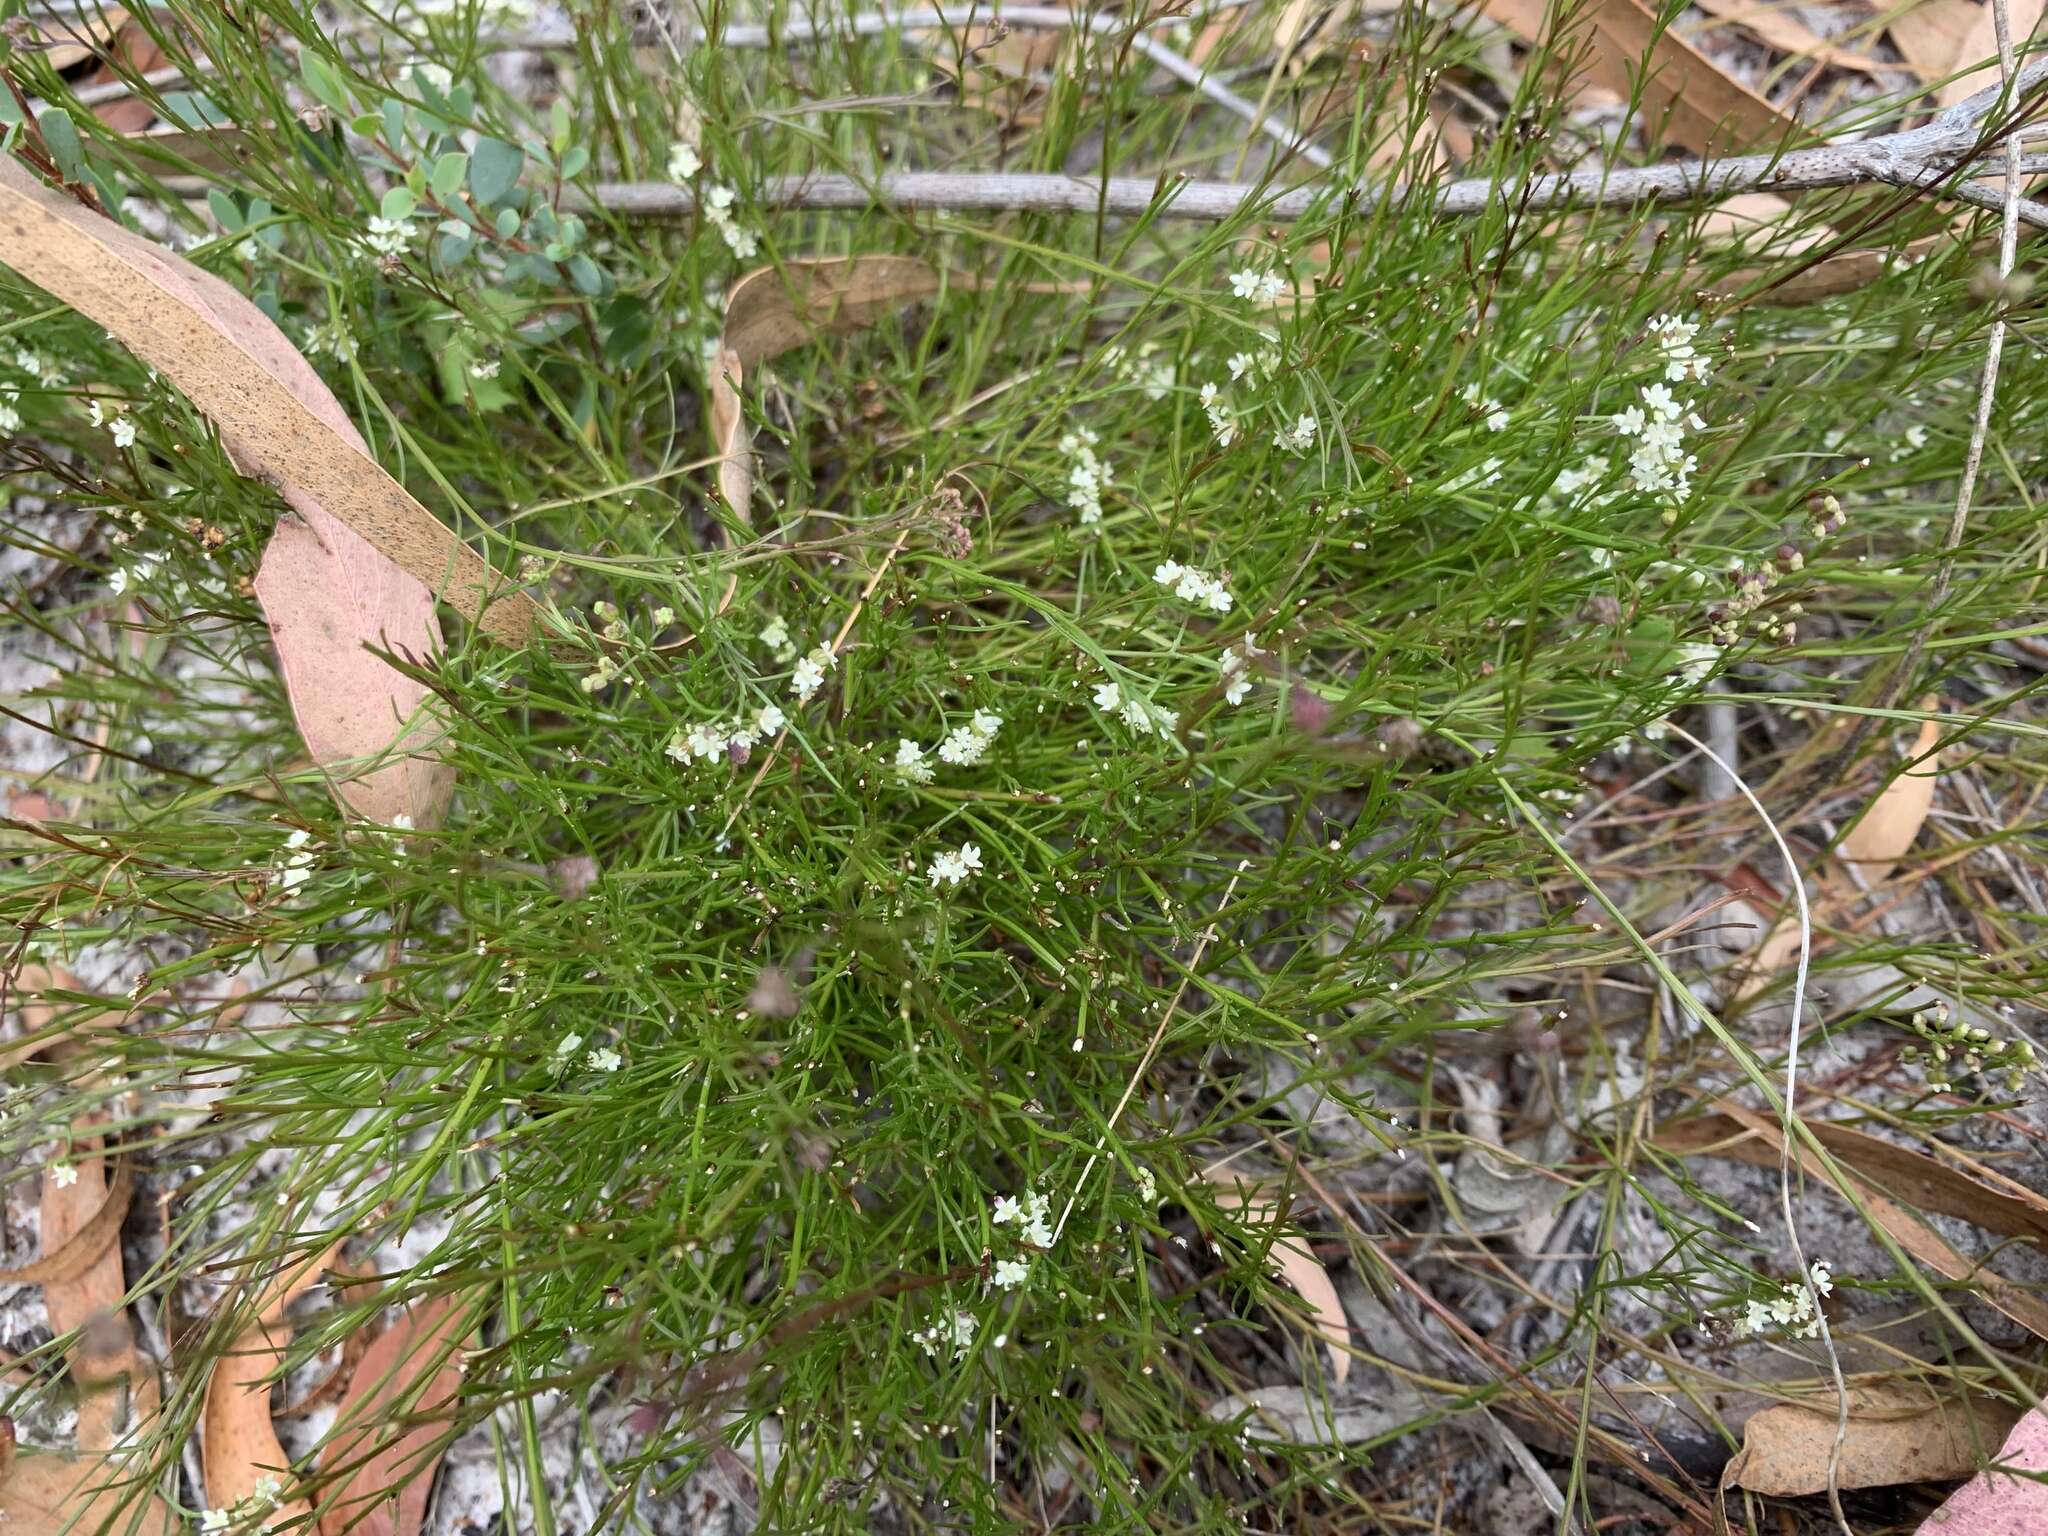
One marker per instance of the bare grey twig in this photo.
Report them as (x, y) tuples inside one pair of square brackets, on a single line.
[(1929, 159)]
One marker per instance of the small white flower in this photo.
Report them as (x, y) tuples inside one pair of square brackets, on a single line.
[(1193, 586), (986, 724), (98, 411), (770, 719), (1271, 286), (63, 1175), (124, 432), (216, 1520), (1106, 696), (1011, 1273), (775, 635), (1821, 1277), (704, 742), (568, 1045), (683, 162), (1244, 284), (954, 867), (910, 762), (1630, 423), (1240, 364), (1297, 438), (1007, 1211), (485, 368), (389, 237), (1496, 417), (809, 674), (603, 1059), (1695, 661)]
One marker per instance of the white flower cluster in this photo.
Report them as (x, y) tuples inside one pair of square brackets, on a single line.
[(120, 425), (1659, 463), (1957, 1048), (704, 742), (1493, 411), (1795, 1308), (964, 747), (718, 201), (264, 1497), (389, 238), (1141, 715), (953, 867), (1236, 667), (955, 1333), (1682, 360), (1570, 482), (1260, 287), (1193, 586), (1298, 438), (1222, 414), (775, 635), (683, 161), (1088, 476), (296, 866), (1031, 1216), (1222, 420), (808, 676)]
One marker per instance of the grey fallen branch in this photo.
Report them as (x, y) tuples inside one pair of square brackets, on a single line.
[(1931, 159)]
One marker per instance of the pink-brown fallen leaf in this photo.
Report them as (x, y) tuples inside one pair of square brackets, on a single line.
[(239, 1449), (394, 1420), (223, 353), (83, 1287), (771, 310), (1300, 1269), (1979, 46), (1895, 1436), (1884, 833), (1994, 1502)]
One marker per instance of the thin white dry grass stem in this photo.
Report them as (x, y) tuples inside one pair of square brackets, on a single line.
[(2010, 84), (1791, 1090)]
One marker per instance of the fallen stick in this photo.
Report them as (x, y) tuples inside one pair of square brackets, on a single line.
[(1928, 159)]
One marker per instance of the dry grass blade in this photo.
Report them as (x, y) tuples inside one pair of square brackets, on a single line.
[(393, 1419), (1872, 849), (210, 342), (1895, 1436)]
